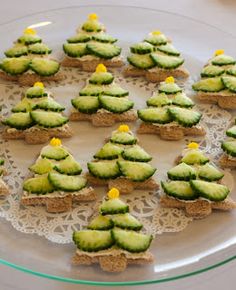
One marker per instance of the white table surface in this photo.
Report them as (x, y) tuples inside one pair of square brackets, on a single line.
[(219, 13)]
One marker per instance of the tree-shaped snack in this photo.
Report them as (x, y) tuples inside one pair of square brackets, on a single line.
[(90, 46), (56, 181), (27, 61), (102, 101), (112, 239), (228, 159), (4, 190), (37, 118), (170, 113), (195, 185), (122, 163), (155, 58), (218, 81)]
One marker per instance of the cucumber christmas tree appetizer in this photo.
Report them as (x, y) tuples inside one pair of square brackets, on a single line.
[(4, 190), (170, 114), (37, 118), (56, 181), (91, 46), (112, 239), (218, 81), (102, 101), (122, 163), (228, 159), (27, 61), (194, 185), (155, 58)]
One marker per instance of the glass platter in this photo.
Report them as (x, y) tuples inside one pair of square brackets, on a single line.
[(203, 244)]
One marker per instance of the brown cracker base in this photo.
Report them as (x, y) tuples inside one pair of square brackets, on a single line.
[(225, 102), (225, 162)]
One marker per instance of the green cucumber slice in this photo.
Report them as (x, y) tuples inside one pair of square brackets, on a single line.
[(15, 65), (181, 100), (93, 240), (44, 67), (156, 39), (209, 85), (78, 38), (101, 223), (212, 71), (179, 189), (20, 121), (182, 172), (126, 221), (91, 90), (104, 169), (166, 61), (109, 151), (86, 104), (54, 152), (115, 105), (210, 190), (104, 50), (29, 39), (141, 48), (136, 153), (38, 185), (185, 117), (223, 59), (229, 147), (136, 171), (16, 51), (42, 166), (230, 83), (231, 71), (36, 92), (92, 26), (113, 206), (39, 48), (194, 156), (158, 100), (125, 138), (231, 132), (168, 49), (143, 61), (101, 78), (115, 91), (169, 88), (131, 241), (48, 119), (104, 38), (209, 172), (23, 106), (155, 115), (75, 49), (69, 166), (48, 104)]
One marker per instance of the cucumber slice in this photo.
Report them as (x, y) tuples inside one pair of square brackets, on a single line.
[(166, 61), (212, 71), (185, 117), (92, 26), (182, 172), (36, 92), (109, 151), (101, 78), (104, 50), (15, 65), (136, 171), (101, 223), (155, 115), (179, 189), (93, 240), (229, 147), (79, 38), (143, 61), (223, 59), (48, 119), (44, 67), (29, 39), (16, 51), (141, 48), (181, 100), (157, 39), (67, 183), (75, 49), (113, 206), (39, 48), (54, 152), (169, 88), (231, 132), (208, 172), (42, 166), (168, 49), (194, 156), (20, 121), (209, 85), (230, 83), (124, 138), (103, 37), (115, 91), (91, 90), (136, 153), (104, 169), (2, 162), (131, 241), (69, 166), (48, 104), (231, 71), (158, 100), (23, 106), (115, 105), (87, 105), (126, 221), (210, 190), (38, 185)]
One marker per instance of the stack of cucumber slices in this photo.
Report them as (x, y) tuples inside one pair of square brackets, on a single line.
[(37, 108), (155, 51), (121, 156), (170, 104), (113, 228), (55, 170), (195, 177), (92, 40), (229, 145), (101, 92)]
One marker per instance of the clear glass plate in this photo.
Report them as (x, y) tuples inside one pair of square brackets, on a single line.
[(204, 244)]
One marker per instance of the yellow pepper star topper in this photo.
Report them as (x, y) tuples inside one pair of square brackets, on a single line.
[(30, 31), (123, 128), (170, 80), (113, 193), (92, 16), (219, 52), (193, 145), (55, 142), (101, 68), (156, 32), (39, 84)]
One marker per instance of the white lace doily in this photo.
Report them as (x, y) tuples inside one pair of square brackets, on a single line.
[(58, 228)]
